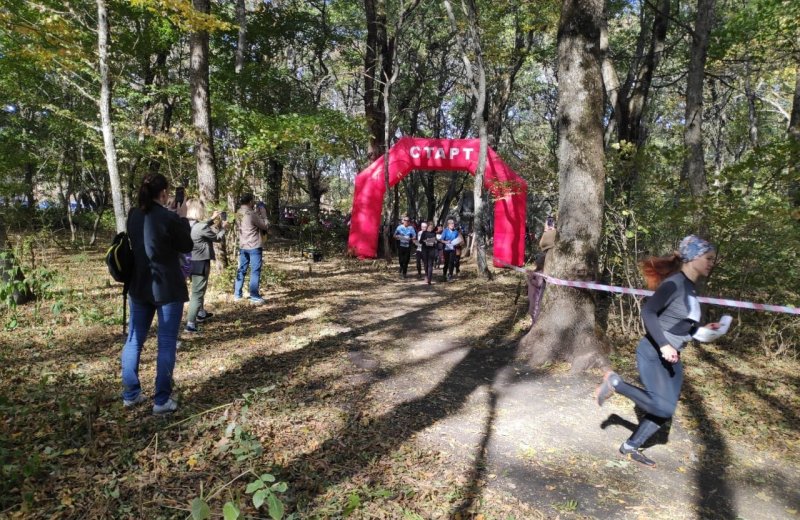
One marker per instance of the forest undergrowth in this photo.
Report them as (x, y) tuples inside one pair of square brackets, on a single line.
[(280, 413)]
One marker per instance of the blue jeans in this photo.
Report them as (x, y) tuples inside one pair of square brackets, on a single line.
[(251, 258), (169, 322)]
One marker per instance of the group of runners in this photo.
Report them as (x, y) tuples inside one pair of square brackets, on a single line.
[(435, 247)]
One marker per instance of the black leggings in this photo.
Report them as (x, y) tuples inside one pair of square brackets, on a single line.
[(404, 255), (662, 389), (429, 258), (449, 262)]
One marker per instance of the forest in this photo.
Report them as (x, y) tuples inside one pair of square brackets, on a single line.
[(634, 124)]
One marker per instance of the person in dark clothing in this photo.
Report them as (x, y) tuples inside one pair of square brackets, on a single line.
[(159, 238), (671, 317), (404, 234), (428, 243)]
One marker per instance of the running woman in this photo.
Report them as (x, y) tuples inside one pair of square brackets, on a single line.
[(404, 234), (428, 243), (448, 236), (670, 318)]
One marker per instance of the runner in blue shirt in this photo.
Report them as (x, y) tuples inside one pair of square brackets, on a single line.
[(448, 236), (404, 234)]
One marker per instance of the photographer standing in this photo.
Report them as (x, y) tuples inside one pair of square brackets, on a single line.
[(251, 222), (159, 238), (203, 235)]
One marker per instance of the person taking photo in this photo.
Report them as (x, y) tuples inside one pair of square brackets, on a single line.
[(251, 222), (204, 234), (159, 238)]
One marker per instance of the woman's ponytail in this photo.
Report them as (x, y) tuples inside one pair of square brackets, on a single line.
[(656, 268), (151, 187)]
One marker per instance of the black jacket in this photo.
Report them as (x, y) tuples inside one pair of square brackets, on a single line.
[(158, 238)]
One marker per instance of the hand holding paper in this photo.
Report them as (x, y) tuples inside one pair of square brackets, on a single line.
[(707, 335)]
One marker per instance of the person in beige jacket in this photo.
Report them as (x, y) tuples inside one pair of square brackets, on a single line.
[(250, 222)]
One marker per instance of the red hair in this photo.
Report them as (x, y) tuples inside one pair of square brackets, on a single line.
[(656, 268)]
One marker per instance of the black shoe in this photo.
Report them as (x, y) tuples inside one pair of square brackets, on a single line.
[(634, 454), (204, 317), (190, 328)]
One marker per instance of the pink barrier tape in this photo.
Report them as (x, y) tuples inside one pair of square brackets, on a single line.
[(643, 292)]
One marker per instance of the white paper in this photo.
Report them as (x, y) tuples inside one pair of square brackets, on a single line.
[(457, 240), (706, 335)]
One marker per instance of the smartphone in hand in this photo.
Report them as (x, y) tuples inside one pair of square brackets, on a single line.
[(223, 216), (180, 195), (550, 221)]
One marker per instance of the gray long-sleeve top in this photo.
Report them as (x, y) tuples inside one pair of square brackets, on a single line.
[(672, 314), (203, 235)]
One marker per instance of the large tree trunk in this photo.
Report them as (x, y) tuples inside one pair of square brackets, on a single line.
[(105, 117), (694, 166), (377, 68), (201, 109), (565, 329)]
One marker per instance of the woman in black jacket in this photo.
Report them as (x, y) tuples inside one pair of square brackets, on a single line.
[(158, 237)]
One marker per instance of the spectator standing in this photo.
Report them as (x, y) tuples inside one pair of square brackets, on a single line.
[(159, 238), (251, 222), (404, 234), (204, 234)]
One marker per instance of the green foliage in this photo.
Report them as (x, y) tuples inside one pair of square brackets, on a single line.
[(265, 491)]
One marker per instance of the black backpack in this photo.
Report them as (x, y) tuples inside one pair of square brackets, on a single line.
[(119, 259)]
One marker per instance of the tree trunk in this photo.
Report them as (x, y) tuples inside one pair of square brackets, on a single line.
[(565, 329), (274, 183), (30, 198), (794, 138), (376, 65), (105, 117), (478, 88), (430, 196), (241, 46), (201, 109), (694, 166)]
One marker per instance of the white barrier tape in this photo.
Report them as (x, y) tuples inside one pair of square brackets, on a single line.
[(643, 292)]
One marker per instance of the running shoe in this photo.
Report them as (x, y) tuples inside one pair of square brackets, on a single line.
[(606, 388), (204, 317), (636, 454)]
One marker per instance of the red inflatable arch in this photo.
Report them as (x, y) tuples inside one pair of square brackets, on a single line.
[(408, 154)]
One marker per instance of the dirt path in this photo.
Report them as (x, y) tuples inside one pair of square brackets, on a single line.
[(539, 436), (371, 397)]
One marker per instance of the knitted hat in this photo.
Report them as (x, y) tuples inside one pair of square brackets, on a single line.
[(548, 240), (692, 247)]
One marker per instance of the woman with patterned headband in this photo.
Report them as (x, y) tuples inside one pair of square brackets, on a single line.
[(671, 316)]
